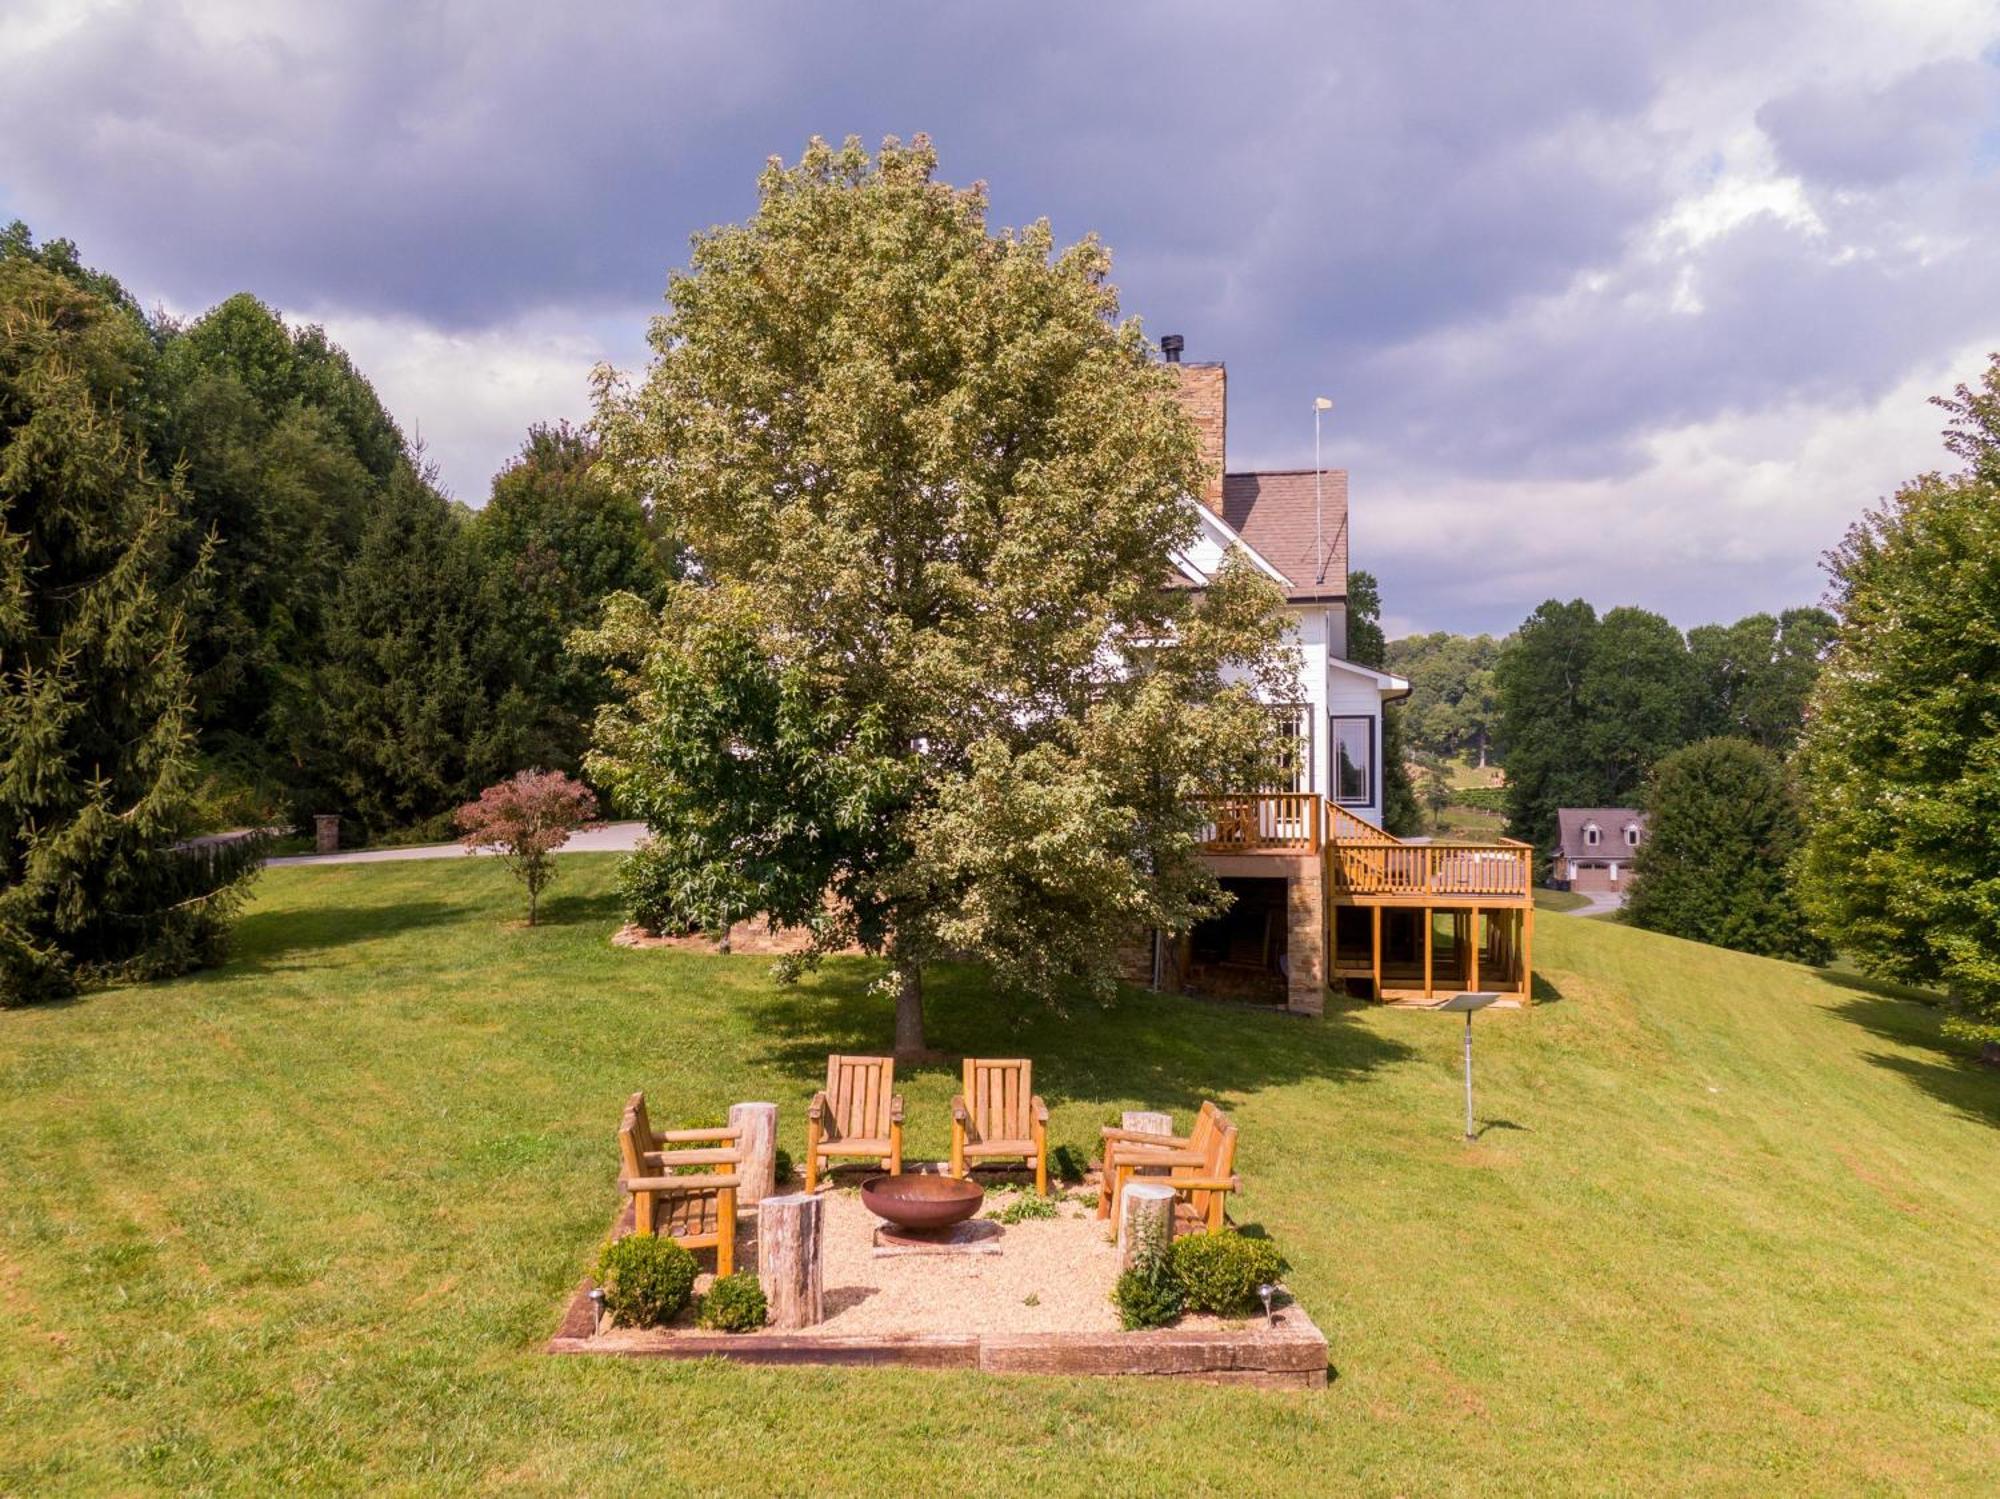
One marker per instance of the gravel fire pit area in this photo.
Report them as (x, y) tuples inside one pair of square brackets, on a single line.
[(1032, 1296)]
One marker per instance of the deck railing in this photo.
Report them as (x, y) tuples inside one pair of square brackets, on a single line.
[(1263, 822), (1361, 858), (1385, 866)]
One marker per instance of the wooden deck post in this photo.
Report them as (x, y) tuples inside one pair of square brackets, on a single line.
[(1375, 948), (1528, 954), (1472, 948), (788, 1258), (1428, 920)]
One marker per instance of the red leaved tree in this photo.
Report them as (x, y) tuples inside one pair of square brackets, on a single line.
[(527, 818)]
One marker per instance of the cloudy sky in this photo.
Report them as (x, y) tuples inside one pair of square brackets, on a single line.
[(1636, 303)]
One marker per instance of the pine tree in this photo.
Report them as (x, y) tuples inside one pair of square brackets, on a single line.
[(414, 716), (96, 737)]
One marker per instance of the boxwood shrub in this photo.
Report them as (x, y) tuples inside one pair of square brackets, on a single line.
[(646, 1280), (1220, 1272), (734, 1303)]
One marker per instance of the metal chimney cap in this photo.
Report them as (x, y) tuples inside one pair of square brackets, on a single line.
[(1171, 345)]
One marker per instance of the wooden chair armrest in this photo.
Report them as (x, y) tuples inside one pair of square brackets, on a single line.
[(820, 1106), (959, 1112), (1039, 1109), (677, 1183), (1165, 1158), (693, 1157), (896, 1108), (1112, 1134), (688, 1136)]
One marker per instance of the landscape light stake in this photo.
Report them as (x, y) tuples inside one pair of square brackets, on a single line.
[(1477, 999), (1267, 1292)]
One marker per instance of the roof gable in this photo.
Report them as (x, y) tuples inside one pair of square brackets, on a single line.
[(1572, 824), (1297, 520)]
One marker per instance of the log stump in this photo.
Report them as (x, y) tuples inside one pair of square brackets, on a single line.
[(1141, 1204), (1151, 1121), (759, 1144), (788, 1259)]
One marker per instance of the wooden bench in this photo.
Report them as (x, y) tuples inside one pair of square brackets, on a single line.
[(1199, 1166), (697, 1211)]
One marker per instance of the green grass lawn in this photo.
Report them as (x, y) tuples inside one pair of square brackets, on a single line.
[(305, 1221), (1560, 900)]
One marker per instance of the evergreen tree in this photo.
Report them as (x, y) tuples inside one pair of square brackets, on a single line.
[(558, 538), (1901, 755), (1636, 697), (96, 736), (416, 717), (1367, 646), (1722, 828)]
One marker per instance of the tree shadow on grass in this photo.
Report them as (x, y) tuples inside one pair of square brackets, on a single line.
[(1957, 1078), (264, 940), (1167, 1051)]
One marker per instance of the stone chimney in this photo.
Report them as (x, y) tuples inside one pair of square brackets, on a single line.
[(1204, 394)]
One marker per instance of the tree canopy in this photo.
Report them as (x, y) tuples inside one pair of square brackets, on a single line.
[(1453, 704), (1901, 755), (925, 687)]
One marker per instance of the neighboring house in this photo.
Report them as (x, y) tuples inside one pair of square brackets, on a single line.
[(1322, 892), (1595, 847)]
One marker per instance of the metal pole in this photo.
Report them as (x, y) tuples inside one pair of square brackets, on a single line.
[(1468, 1077)]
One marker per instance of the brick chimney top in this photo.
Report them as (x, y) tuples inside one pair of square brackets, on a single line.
[(1204, 395)]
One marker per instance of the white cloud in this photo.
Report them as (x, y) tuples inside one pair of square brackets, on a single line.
[(470, 396)]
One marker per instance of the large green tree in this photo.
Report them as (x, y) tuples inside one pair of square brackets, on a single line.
[(1901, 754), (1453, 703), (285, 453), (1722, 828), (925, 687), (1751, 679), (1544, 718), (558, 538), (96, 714)]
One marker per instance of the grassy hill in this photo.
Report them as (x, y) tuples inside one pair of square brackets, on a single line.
[(1731, 1227)]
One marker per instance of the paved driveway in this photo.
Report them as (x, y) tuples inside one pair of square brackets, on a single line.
[(1600, 903), (612, 838)]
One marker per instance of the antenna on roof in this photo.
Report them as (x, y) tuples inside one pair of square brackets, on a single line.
[(1320, 404)]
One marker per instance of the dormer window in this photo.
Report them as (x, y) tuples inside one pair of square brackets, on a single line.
[(1590, 835), (1631, 835)]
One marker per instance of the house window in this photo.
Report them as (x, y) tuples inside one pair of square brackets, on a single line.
[(1590, 835), (1295, 748), (1354, 760), (1631, 835)]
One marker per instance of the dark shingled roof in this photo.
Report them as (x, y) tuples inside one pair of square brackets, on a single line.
[(1273, 512), (1611, 821)]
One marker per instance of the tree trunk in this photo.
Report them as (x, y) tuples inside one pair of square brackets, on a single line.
[(910, 1012), (788, 1259), (1145, 1211), (759, 1145)]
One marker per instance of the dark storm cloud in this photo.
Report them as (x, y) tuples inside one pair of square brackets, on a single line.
[(1462, 221)]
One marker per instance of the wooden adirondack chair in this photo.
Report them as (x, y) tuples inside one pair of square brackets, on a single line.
[(1139, 1151), (1000, 1117), (858, 1113), (696, 1211), (1199, 1167)]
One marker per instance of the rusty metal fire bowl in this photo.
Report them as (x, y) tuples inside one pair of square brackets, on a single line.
[(921, 1203)]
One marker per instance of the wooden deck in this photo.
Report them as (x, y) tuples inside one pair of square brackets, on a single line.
[(1485, 890)]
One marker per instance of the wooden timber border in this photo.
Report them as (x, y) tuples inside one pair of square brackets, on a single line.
[(1290, 1355)]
